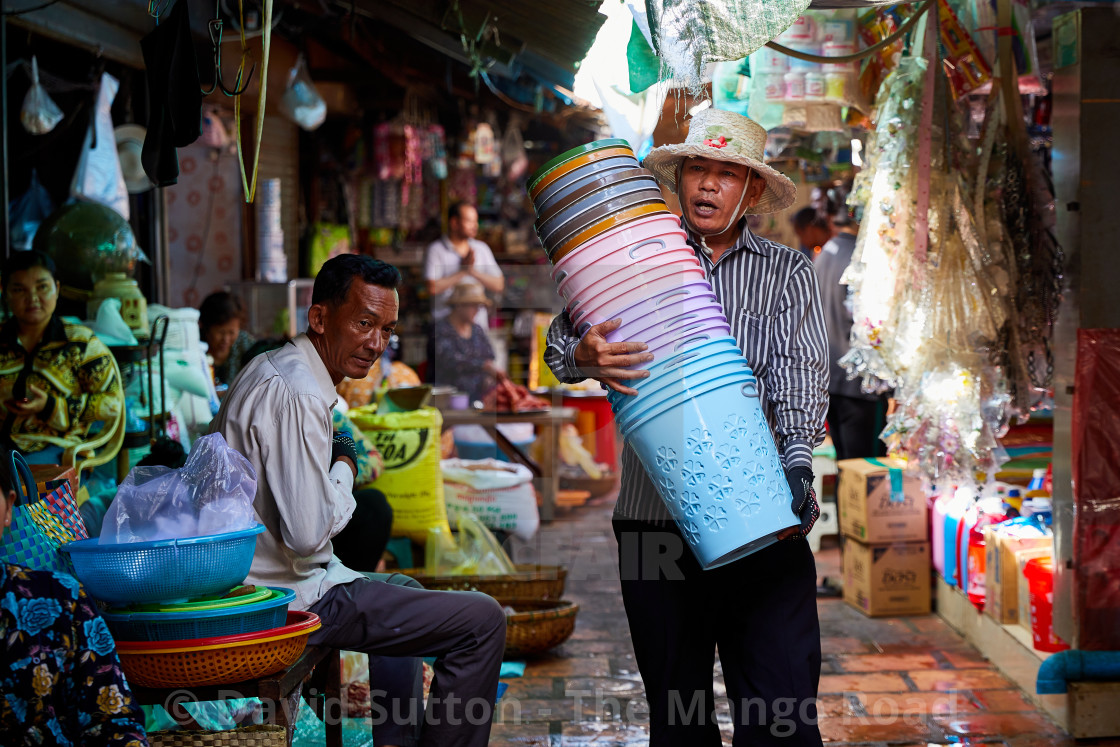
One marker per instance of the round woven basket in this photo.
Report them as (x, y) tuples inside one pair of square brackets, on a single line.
[(537, 625), (263, 735), (529, 582)]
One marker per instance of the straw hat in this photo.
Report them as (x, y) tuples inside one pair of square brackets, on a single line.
[(130, 143), (724, 136), (465, 293)]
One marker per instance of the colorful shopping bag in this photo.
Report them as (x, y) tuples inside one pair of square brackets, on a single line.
[(25, 542), (60, 507)]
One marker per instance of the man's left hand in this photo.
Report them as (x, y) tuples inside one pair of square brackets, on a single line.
[(804, 502), (34, 404)]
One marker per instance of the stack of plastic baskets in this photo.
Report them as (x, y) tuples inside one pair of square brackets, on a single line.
[(697, 423), (175, 601)]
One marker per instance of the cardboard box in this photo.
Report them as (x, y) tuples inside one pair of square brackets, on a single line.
[(1021, 559), (890, 579), (879, 504), (1001, 572)]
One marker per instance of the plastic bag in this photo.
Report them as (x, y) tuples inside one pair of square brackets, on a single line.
[(211, 494), (300, 101), (476, 553), (39, 114), (98, 176), (499, 494), (27, 212)]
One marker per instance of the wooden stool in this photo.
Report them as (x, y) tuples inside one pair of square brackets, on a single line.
[(279, 693)]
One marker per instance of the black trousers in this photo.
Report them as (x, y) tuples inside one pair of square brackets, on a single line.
[(361, 543), (855, 425), (761, 613)]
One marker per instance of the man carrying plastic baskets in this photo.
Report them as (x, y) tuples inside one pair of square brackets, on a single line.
[(278, 414), (760, 611)]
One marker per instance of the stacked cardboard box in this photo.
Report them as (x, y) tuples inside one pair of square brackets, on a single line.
[(1005, 552), (887, 553)]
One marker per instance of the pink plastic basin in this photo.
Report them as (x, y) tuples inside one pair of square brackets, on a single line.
[(589, 282), (628, 292), (659, 225), (645, 250)]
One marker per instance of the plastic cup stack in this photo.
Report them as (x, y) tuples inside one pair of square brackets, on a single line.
[(272, 263), (697, 423)]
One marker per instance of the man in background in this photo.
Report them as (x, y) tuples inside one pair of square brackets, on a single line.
[(813, 231)]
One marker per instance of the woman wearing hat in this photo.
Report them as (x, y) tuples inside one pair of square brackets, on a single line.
[(464, 357), (759, 611)]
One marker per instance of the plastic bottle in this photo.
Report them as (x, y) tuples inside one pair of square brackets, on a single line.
[(795, 86), (814, 86), (773, 87), (977, 565)]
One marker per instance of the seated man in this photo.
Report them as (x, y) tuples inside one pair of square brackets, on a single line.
[(278, 414)]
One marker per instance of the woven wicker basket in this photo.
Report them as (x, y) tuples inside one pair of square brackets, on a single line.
[(538, 625), (266, 735), (530, 582)]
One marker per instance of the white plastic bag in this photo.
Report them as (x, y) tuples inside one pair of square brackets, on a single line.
[(39, 114), (98, 177), (211, 494), (300, 101), (498, 493)]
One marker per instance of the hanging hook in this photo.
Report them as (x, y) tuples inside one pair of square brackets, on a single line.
[(214, 26)]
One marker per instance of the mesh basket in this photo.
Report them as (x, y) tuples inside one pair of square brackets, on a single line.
[(177, 626), (264, 735), (529, 582), (217, 661), (164, 570), (537, 625)]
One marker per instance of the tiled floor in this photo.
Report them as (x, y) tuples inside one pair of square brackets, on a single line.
[(894, 680)]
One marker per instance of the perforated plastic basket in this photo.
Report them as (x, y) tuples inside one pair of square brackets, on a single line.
[(217, 661), (172, 570), (174, 626)]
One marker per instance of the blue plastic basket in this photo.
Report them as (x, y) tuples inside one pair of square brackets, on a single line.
[(172, 570), (176, 626)]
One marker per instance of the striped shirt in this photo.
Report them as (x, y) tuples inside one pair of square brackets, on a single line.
[(772, 301)]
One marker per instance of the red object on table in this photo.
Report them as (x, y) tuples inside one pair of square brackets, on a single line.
[(595, 417)]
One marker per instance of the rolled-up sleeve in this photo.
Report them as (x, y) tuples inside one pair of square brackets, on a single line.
[(560, 348), (315, 501), (797, 383)]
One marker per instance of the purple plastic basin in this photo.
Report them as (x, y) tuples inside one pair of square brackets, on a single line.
[(635, 304), (625, 237), (590, 282)]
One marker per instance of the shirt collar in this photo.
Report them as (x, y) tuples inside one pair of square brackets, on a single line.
[(747, 240), (55, 331), (318, 368)]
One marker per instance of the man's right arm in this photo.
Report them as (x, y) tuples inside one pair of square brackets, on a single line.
[(560, 348)]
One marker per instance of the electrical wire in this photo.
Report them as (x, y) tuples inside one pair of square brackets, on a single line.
[(840, 59)]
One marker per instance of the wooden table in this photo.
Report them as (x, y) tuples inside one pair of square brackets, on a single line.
[(549, 434)]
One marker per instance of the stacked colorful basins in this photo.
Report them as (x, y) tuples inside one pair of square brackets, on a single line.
[(180, 616), (697, 423)]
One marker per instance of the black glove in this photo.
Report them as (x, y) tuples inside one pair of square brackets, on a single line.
[(804, 498), (343, 446)]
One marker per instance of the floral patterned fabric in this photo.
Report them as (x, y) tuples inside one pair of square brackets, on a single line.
[(76, 371), (60, 678)]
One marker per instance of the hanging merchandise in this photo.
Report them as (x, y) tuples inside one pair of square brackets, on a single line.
[(688, 34), (413, 163), (301, 101), (327, 240), (98, 177), (174, 94), (874, 26), (965, 67), (39, 114), (435, 154), (28, 211), (513, 151)]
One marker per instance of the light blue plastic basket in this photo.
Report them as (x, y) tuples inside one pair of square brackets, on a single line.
[(172, 570), (177, 626)]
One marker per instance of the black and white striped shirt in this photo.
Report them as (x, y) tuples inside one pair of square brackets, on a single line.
[(770, 296)]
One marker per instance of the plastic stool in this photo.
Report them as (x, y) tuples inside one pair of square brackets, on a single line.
[(828, 523)]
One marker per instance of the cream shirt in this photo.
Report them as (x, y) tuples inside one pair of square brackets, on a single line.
[(278, 414)]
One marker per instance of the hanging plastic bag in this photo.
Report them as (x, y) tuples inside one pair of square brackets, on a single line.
[(300, 101), (39, 114), (211, 494), (27, 212), (98, 176)]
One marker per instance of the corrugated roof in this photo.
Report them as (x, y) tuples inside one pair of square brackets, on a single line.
[(546, 39)]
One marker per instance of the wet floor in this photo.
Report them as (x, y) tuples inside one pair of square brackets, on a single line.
[(910, 681)]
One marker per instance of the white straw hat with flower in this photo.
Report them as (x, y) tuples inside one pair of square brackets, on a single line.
[(724, 136)]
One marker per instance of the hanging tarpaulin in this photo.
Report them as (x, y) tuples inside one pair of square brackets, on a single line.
[(688, 34)]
